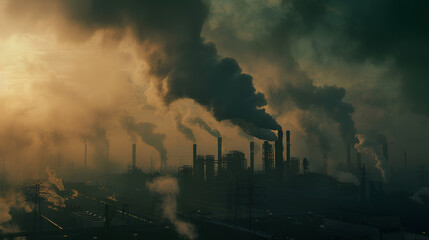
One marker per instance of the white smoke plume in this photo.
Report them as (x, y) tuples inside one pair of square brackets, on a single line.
[(203, 125), (168, 188), (54, 180), (50, 193), (372, 148), (75, 193), (417, 196), (189, 134)]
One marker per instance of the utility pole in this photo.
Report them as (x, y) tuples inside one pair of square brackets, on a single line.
[(37, 192)]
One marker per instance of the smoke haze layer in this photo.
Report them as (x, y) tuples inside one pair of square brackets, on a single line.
[(184, 65)]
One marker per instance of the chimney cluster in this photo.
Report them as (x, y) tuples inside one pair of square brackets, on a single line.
[(278, 162)]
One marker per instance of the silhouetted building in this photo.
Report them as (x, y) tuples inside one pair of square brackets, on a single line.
[(305, 166), (210, 167), (287, 165), (236, 163), (185, 174), (198, 168), (267, 158), (294, 166), (279, 155)]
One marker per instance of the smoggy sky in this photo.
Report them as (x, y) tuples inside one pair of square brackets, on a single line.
[(169, 72)]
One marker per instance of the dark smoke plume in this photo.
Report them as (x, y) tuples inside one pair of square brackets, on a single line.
[(391, 32), (203, 125), (145, 130), (327, 98), (189, 134), (314, 133), (185, 65)]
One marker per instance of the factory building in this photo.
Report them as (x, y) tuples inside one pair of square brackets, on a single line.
[(210, 168), (294, 166), (279, 156), (267, 158), (185, 174), (252, 157), (236, 163), (198, 168), (219, 156), (287, 163)]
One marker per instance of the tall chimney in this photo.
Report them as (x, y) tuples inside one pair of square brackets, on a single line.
[(386, 153), (194, 159), (133, 163), (84, 163), (252, 157), (348, 156), (359, 160), (279, 155), (219, 156), (288, 152)]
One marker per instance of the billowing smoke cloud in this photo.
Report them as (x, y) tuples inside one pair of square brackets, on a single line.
[(146, 132), (51, 188), (185, 65), (275, 48), (11, 200), (54, 180), (390, 31), (168, 188), (189, 134), (203, 125), (311, 127), (371, 147), (417, 196)]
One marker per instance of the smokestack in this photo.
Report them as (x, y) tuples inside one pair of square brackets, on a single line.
[(219, 155), (386, 153), (252, 157), (359, 160), (279, 155), (288, 152), (348, 156), (133, 163), (194, 159), (84, 163)]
